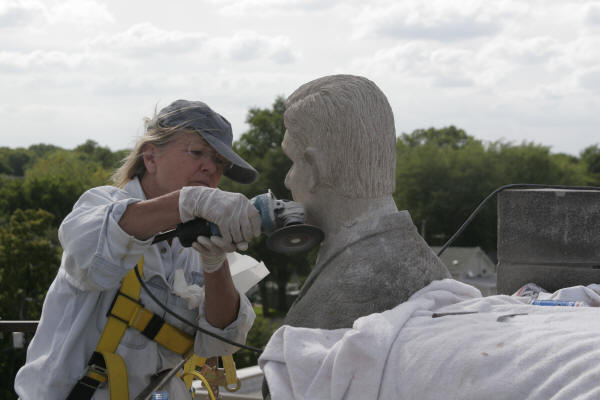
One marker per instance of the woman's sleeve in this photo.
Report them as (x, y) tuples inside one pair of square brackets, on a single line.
[(97, 253), (237, 331)]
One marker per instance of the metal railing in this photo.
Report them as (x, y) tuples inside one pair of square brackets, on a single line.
[(18, 326)]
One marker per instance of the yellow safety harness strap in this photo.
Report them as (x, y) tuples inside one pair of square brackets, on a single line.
[(102, 366), (131, 313), (104, 363), (230, 374), (126, 311), (117, 376)]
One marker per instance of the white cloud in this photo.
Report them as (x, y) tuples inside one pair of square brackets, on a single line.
[(84, 14), (147, 40), (248, 45), (583, 52), (528, 51), (540, 67), (40, 60), (592, 14), (418, 61), (590, 80), (495, 68), (15, 13), (126, 85), (264, 8), (431, 20)]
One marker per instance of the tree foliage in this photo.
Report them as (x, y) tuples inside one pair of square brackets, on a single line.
[(13, 162), (449, 137), (443, 174), (590, 157), (29, 256), (29, 259), (439, 182), (56, 181), (91, 151)]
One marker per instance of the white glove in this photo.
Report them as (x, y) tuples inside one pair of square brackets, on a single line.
[(212, 251), (237, 219)]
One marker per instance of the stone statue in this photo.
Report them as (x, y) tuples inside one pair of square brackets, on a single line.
[(341, 139)]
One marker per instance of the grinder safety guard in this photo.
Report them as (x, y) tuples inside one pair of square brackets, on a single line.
[(283, 221)]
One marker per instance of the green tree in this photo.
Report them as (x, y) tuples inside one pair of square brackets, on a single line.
[(55, 182), (91, 151), (533, 163), (14, 162), (11, 196), (41, 150), (440, 180), (450, 137), (443, 174), (590, 157), (29, 259)]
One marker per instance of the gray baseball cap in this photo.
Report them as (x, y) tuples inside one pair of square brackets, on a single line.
[(215, 129)]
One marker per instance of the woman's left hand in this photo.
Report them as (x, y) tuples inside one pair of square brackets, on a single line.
[(212, 251)]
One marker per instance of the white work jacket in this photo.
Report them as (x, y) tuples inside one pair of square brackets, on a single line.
[(97, 254)]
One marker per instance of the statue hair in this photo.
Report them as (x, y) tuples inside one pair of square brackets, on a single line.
[(349, 119)]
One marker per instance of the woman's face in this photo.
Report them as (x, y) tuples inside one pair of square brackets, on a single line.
[(186, 161)]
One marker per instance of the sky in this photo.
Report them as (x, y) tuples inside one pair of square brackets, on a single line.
[(515, 71)]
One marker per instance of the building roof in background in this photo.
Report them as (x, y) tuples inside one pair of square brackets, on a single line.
[(468, 262)]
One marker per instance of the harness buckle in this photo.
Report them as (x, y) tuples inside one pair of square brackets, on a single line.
[(97, 369), (91, 381), (110, 313), (96, 366)]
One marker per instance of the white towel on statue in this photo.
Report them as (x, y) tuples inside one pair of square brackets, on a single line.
[(404, 353)]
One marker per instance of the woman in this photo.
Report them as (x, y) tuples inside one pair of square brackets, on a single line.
[(171, 176)]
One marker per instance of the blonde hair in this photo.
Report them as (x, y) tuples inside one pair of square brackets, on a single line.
[(133, 164), (349, 119)]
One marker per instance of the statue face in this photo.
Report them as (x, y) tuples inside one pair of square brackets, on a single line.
[(298, 177)]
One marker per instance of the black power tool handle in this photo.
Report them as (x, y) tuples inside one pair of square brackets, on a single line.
[(187, 232)]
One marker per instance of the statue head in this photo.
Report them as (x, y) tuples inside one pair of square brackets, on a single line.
[(340, 136)]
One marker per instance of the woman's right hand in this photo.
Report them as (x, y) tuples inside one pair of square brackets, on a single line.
[(237, 219)]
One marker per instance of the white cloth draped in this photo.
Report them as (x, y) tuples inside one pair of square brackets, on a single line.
[(403, 353)]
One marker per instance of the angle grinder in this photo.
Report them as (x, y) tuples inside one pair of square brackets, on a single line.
[(283, 221)]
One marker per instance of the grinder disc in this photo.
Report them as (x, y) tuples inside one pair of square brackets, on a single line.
[(294, 239)]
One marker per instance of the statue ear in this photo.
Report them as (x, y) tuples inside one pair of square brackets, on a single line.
[(314, 159)]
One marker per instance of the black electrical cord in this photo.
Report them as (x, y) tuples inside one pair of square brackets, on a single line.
[(501, 188), (193, 325)]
